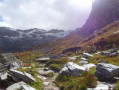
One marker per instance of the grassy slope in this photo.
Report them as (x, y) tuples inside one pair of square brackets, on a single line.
[(104, 37)]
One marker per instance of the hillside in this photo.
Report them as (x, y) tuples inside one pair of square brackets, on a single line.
[(12, 40), (104, 12), (107, 37)]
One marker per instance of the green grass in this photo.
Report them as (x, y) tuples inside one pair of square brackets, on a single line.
[(34, 72), (82, 82), (56, 64)]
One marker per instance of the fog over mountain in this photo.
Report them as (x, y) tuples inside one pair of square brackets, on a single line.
[(44, 14)]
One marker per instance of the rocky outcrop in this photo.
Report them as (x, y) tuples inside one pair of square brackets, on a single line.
[(21, 76), (20, 86), (72, 69), (106, 71), (103, 13), (9, 61)]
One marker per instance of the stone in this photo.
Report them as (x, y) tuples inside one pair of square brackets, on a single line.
[(42, 60), (103, 86), (3, 76), (21, 76), (88, 66), (102, 61), (16, 86), (9, 61), (72, 58), (97, 53), (13, 65), (113, 54), (46, 83), (27, 87), (83, 59), (83, 62), (87, 55), (106, 71), (104, 53), (72, 69), (113, 50), (20, 86), (45, 73)]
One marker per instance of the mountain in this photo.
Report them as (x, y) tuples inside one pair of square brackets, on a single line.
[(104, 12), (12, 40)]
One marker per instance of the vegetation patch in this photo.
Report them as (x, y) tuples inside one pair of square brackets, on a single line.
[(57, 64), (82, 82)]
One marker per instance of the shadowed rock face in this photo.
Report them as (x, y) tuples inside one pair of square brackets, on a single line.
[(103, 13)]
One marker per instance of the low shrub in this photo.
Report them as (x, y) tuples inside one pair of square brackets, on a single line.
[(57, 64), (55, 67)]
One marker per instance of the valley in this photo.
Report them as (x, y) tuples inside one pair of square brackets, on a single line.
[(86, 58)]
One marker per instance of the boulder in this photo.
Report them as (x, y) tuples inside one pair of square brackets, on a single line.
[(106, 71), (9, 61), (83, 62), (3, 76), (27, 87), (88, 66), (72, 69), (87, 55), (20, 86), (21, 76), (83, 59)]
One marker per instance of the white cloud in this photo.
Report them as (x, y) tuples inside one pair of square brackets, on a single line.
[(45, 14)]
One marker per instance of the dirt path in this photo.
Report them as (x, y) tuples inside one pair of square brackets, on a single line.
[(48, 82)]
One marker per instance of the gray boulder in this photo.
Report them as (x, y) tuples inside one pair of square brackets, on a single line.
[(20, 86), (106, 71), (27, 87), (72, 69), (21, 76), (83, 62), (9, 61), (87, 55)]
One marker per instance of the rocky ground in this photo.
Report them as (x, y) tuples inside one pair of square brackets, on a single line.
[(41, 75)]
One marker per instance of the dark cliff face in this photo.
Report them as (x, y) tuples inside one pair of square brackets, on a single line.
[(103, 13)]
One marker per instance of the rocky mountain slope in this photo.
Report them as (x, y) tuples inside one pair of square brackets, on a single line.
[(103, 13), (18, 40)]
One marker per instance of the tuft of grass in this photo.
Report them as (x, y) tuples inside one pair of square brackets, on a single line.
[(50, 74), (57, 64)]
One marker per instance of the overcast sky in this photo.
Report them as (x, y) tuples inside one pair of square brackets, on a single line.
[(44, 14)]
